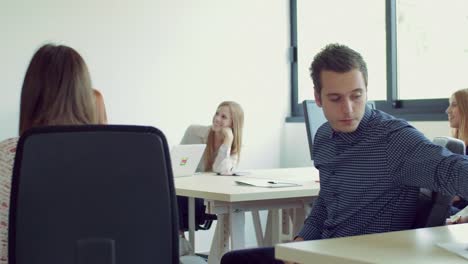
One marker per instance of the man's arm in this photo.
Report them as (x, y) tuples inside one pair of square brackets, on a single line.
[(313, 224), (416, 161)]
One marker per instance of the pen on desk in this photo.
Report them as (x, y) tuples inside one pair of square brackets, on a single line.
[(273, 182), (276, 182)]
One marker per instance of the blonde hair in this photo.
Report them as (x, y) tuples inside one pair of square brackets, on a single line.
[(57, 90), (237, 116), (461, 132)]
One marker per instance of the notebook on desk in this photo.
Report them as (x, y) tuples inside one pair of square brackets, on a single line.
[(185, 159)]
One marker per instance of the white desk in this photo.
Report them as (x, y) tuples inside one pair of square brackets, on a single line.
[(412, 246), (229, 201)]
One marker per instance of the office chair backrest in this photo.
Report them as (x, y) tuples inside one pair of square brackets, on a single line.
[(433, 207), (93, 194), (455, 145)]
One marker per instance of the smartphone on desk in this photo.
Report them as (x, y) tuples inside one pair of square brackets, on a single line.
[(234, 173)]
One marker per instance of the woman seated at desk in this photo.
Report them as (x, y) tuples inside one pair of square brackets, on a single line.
[(223, 141), (458, 119)]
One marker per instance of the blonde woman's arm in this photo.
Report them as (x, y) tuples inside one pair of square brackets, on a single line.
[(224, 162)]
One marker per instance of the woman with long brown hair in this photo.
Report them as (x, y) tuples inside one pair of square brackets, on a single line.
[(56, 91)]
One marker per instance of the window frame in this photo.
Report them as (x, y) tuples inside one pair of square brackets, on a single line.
[(411, 110)]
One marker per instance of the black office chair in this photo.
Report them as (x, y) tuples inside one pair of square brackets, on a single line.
[(203, 221), (93, 194), (433, 208)]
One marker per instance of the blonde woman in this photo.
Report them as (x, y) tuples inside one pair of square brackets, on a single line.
[(223, 139), (458, 119), (56, 91), (458, 115)]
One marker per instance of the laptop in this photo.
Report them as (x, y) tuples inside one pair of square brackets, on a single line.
[(185, 159)]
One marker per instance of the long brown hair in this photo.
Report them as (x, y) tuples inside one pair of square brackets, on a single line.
[(237, 115), (461, 97), (56, 90)]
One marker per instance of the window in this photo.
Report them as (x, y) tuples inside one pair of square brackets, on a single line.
[(416, 50), (358, 24), (432, 48)]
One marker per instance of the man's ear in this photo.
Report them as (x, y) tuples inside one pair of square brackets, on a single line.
[(318, 100)]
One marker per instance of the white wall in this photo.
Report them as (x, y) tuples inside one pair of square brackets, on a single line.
[(165, 63)]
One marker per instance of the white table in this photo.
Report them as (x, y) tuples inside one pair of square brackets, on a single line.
[(412, 246), (229, 201)]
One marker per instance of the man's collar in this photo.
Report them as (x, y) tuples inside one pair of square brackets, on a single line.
[(351, 137)]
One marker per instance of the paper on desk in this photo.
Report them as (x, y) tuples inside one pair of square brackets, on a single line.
[(268, 183), (458, 248)]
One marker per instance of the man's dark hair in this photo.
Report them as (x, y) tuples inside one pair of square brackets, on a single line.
[(336, 58)]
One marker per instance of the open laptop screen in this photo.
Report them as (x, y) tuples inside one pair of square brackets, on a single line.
[(185, 159)]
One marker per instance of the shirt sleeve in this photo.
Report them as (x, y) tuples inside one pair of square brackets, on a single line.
[(224, 162), (7, 156), (415, 161), (313, 224)]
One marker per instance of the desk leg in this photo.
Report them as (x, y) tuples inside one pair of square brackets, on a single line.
[(285, 216), (272, 231), (268, 228), (275, 223), (258, 227), (298, 220), (191, 211), (237, 230), (220, 243)]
